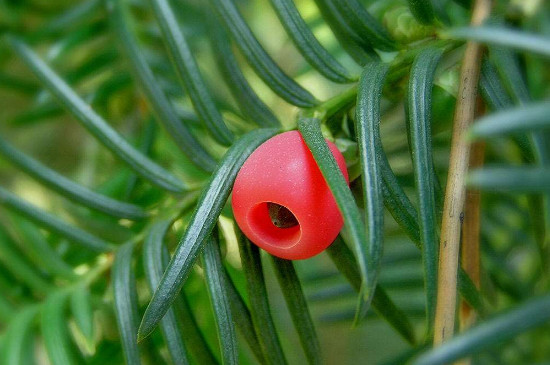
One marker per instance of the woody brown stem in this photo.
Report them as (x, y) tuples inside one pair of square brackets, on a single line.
[(456, 191)]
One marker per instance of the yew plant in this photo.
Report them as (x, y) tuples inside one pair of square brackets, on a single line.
[(124, 124)]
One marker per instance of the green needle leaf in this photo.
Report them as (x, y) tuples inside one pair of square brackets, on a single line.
[(153, 253), (219, 299), (19, 343), (55, 333), (126, 302), (311, 132), (343, 258), (257, 57), (259, 304), (492, 89), (511, 179), (243, 319), (202, 222), (307, 44), (422, 10), (419, 107), (368, 138), (297, 306), (503, 36), (527, 118), (83, 313), (357, 47), (249, 102), (38, 250), (52, 223), (95, 124), (189, 73), (155, 96), (19, 267), (364, 24), (504, 327), (68, 188)]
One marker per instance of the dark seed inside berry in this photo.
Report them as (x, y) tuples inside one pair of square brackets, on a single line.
[(280, 216)]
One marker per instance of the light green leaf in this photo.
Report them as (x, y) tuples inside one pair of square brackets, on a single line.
[(52, 223), (83, 313), (68, 188), (95, 124), (55, 333), (19, 343)]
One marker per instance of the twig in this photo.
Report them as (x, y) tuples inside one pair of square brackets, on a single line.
[(456, 191)]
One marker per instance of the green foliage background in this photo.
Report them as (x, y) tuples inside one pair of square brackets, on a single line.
[(88, 216)]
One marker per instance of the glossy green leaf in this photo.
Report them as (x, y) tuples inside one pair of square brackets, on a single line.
[(259, 304), (153, 252), (83, 312), (491, 333), (249, 102), (511, 179), (202, 222), (307, 44), (95, 124), (52, 223), (423, 10), (20, 341), (161, 105), (12, 260), (243, 318), (367, 128), (219, 299), (353, 223), (126, 302), (364, 24), (344, 261), (298, 308), (189, 73), (55, 332), (419, 113), (505, 37), (257, 57), (528, 118), (68, 188)]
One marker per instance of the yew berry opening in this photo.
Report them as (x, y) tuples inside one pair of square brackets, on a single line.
[(281, 200), (276, 223)]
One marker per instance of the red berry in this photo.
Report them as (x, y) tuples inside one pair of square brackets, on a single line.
[(281, 201)]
